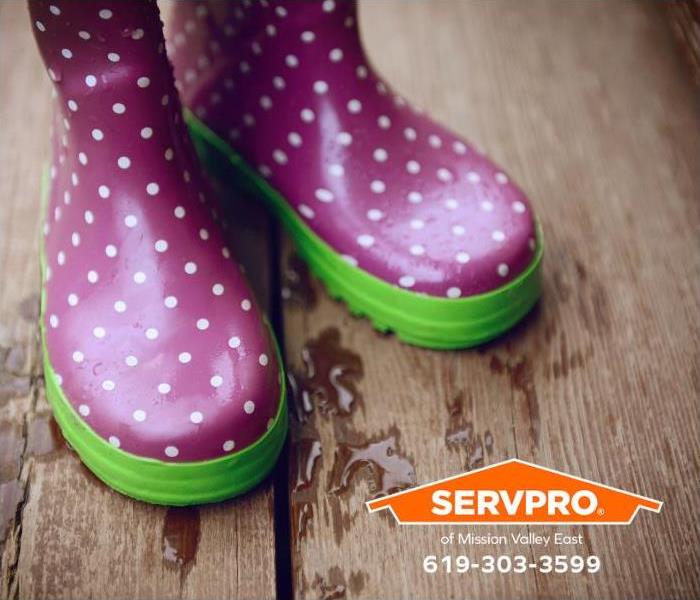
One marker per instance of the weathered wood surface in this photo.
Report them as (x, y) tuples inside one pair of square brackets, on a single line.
[(67, 535), (591, 108)]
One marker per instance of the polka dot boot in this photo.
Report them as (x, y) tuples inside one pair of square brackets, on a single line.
[(159, 368), (400, 217)]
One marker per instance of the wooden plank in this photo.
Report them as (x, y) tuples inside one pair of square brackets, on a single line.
[(590, 108), (68, 535)]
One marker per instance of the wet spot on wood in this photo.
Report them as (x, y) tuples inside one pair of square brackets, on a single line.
[(329, 377), (11, 490), (522, 379), (14, 382), (29, 308), (297, 288), (180, 538), (381, 459), (330, 587), (460, 435)]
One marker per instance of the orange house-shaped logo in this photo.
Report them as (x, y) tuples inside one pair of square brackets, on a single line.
[(514, 492)]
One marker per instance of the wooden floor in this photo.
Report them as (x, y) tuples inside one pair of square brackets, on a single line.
[(593, 110)]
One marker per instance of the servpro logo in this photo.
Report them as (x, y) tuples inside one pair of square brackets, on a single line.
[(516, 492)]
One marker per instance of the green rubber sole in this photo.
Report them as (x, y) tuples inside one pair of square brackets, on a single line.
[(155, 481), (418, 319)]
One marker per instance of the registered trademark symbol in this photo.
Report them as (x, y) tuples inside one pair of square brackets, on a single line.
[(601, 511)]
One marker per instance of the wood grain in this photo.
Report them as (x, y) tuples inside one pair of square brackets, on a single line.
[(591, 109), (69, 536)]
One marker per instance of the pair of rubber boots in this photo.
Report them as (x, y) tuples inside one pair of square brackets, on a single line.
[(160, 368)]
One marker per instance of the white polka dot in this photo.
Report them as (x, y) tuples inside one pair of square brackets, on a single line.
[(280, 157), (152, 189), (234, 342), (410, 134), (246, 304), (170, 302), (163, 388), (118, 108), (462, 257), (444, 175), (417, 250), (434, 141), (413, 167), (108, 385), (92, 276), (320, 87), (501, 178), (99, 332), (473, 177), (308, 36), (324, 195), (307, 211), (151, 333), (518, 207), (120, 306), (532, 244), (130, 221), (384, 122), (84, 35), (78, 356), (84, 410), (374, 214), (344, 138), (139, 415), (458, 230), (459, 147), (113, 57), (216, 381), (294, 139), (147, 133), (498, 236), (307, 115), (124, 162), (217, 289), (503, 269), (54, 9), (184, 357), (249, 407), (89, 217), (354, 106), (111, 250), (169, 154), (114, 440), (139, 277), (75, 239), (380, 155), (171, 451), (190, 268), (328, 5), (53, 321), (291, 61), (361, 71), (417, 224), (202, 324), (407, 281), (365, 240), (105, 14), (196, 417), (97, 135), (90, 80), (451, 204), (66, 53), (179, 212), (454, 292), (228, 445), (61, 258), (73, 299), (161, 246), (137, 34), (335, 55), (40, 26), (263, 359), (82, 158), (378, 186), (415, 197), (131, 360), (143, 82), (486, 205), (336, 170)]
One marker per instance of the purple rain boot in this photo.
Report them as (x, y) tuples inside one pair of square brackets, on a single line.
[(159, 368), (399, 217)]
